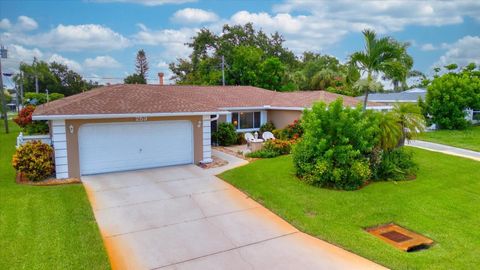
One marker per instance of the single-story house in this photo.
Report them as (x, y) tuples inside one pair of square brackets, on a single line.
[(126, 127), (389, 99)]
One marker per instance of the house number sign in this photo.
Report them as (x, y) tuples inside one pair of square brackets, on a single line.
[(141, 119)]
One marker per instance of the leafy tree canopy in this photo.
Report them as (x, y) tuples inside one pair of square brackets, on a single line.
[(450, 94), (55, 77), (135, 78)]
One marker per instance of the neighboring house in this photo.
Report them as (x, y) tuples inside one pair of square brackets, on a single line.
[(388, 99), (126, 127)]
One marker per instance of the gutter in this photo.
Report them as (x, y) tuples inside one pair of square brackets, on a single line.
[(121, 115)]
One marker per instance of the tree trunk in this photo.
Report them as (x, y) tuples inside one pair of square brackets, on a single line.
[(369, 80)]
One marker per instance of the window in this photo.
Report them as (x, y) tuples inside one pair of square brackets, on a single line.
[(246, 120)]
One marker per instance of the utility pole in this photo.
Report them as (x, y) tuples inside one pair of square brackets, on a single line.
[(3, 54), (21, 88), (223, 70), (36, 81)]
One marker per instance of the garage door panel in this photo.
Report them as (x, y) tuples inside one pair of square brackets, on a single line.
[(127, 146)]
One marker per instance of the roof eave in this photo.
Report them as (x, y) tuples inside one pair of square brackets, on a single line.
[(121, 115)]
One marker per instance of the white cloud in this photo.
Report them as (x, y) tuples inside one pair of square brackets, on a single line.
[(22, 54), (5, 24), (26, 23), (23, 23), (462, 52), (194, 16), (105, 61), (73, 38), (172, 40), (428, 47), (72, 64), (301, 32), (386, 16), (148, 2)]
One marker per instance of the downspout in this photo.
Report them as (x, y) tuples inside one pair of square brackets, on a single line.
[(215, 118), (216, 126)]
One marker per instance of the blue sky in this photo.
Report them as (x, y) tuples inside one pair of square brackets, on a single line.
[(99, 38)]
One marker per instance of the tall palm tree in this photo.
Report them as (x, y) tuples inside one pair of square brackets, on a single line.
[(410, 119), (380, 55)]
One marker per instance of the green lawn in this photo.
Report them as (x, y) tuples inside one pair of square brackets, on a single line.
[(443, 203), (45, 227), (468, 139)]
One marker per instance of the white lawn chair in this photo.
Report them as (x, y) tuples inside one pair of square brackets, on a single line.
[(249, 137), (267, 135)]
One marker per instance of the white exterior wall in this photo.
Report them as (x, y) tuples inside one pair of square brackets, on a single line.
[(59, 141), (207, 145)]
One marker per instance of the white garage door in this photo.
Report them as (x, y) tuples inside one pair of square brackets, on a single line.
[(110, 147)]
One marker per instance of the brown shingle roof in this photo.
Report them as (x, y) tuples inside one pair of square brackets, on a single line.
[(129, 98)]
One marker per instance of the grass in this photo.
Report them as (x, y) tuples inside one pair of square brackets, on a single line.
[(45, 227), (443, 203), (468, 139)]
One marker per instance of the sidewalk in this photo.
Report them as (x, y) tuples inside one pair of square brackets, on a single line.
[(449, 150)]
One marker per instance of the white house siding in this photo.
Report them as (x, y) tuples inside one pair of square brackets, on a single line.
[(207, 146), (59, 141)]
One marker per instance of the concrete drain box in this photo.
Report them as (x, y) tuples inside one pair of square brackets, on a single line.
[(400, 238)]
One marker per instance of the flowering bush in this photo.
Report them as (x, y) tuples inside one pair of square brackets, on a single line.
[(35, 160), (273, 148), (292, 131), (281, 147), (24, 120), (24, 116)]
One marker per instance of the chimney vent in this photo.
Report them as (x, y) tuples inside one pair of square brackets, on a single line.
[(160, 78)]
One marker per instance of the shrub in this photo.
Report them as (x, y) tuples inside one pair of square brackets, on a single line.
[(450, 94), (225, 134), (35, 160), (395, 165), (241, 138), (263, 154), (336, 145), (41, 98), (24, 116), (36, 127), (277, 133), (24, 120), (281, 147), (269, 126), (292, 131)]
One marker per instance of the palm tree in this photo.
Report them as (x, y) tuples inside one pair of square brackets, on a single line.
[(410, 119), (380, 55), (390, 131)]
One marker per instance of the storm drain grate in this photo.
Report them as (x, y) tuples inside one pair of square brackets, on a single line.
[(400, 237), (396, 236)]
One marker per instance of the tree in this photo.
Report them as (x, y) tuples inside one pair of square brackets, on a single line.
[(141, 64), (380, 55), (55, 77), (410, 120), (449, 95), (135, 79), (272, 74), (203, 66)]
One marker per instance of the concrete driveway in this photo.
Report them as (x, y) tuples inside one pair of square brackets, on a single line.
[(184, 217)]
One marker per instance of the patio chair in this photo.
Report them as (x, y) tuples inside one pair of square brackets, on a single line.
[(249, 137), (267, 135)]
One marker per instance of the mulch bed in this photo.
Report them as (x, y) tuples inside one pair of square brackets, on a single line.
[(21, 179)]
